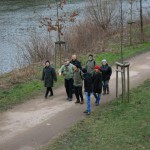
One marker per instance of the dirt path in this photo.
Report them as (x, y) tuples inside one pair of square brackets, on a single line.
[(34, 123)]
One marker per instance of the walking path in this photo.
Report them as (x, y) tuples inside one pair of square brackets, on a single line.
[(36, 122)]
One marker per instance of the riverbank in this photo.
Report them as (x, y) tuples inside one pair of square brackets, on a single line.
[(113, 126), (11, 95)]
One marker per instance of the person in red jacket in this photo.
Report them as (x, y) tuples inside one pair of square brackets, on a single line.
[(97, 85)]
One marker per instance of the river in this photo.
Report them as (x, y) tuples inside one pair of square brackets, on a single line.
[(18, 19)]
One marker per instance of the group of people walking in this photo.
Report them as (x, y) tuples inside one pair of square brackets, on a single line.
[(95, 79)]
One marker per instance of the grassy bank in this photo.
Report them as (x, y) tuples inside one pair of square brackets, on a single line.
[(116, 126), (128, 52), (21, 92)]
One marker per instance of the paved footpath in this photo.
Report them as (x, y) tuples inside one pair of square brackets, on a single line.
[(36, 122)]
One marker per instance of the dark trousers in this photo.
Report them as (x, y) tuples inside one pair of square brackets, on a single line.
[(78, 93), (69, 87), (105, 85), (49, 89)]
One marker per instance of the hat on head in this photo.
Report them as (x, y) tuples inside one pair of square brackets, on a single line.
[(47, 61), (104, 60), (77, 65), (97, 67), (91, 55), (84, 70)]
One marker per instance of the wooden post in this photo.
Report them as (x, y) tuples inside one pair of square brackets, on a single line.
[(124, 74), (141, 20), (59, 39), (116, 80), (122, 80), (55, 57), (131, 22), (128, 78), (121, 33)]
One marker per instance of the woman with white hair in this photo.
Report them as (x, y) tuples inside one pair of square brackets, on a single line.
[(106, 74)]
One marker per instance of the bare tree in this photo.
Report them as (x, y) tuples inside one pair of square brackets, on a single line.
[(103, 12), (58, 23)]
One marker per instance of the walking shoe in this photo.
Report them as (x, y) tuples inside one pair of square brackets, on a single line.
[(77, 102), (108, 92), (82, 102), (88, 113), (70, 99), (97, 104), (51, 95), (104, 93), (85, 111)]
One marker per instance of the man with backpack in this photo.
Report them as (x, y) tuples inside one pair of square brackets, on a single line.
[(90, 65)]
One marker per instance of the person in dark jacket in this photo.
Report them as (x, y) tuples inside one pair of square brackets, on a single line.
[(49, 76), (75, 62), (97, 84), (88, 89), (78, 82), (106, 74)]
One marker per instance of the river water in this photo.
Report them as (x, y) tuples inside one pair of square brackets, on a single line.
[(18, 19)]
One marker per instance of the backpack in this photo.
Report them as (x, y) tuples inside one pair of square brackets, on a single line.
[(93, 62), (81, 75)]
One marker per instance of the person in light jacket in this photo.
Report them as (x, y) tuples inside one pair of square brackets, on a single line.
[(67, 70)]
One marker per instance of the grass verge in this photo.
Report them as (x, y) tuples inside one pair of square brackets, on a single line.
[(116, 126), (128, 52), (22, 92)]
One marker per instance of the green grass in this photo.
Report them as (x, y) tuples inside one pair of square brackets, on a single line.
[(128, 51), (116, 126), (22, 92)]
